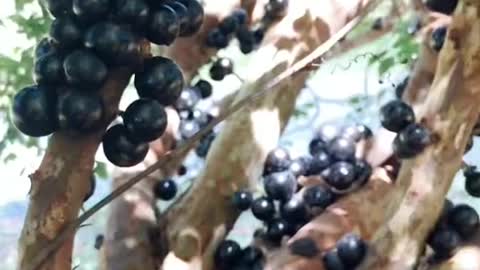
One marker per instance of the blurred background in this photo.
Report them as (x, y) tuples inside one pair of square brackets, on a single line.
[(347, 89)]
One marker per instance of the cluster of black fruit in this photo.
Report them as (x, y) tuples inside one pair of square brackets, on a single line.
[(456, 224), (412, 138), (229, 255), (472, 181), (348, 253), (236, 25), (87, 39)]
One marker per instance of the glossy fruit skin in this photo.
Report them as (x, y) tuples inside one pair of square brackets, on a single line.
[(217, 73), (442, 6), (340, 175), (80, 112), (342, 149), (472, 184), (59, 8), (229, 25), (351, 250), (242, 200), (49, 69), (216, 39), (133, 12), (205, 88), (400, 88), (91, 10), (318, 196), (294, 211), (320, 161), (305, 247), (91, 190), (327, 133), (34, 111), (356, 133), (120, 150), (247, 39), (44, 47), (263, 208), (277, 160), (277, 229), (188, 99), (396, 115), (316, 145), (331, 261), (221, 68), (438, 38), (163, 27), (204, 146), (300, 166), (165, 189), (145, 120), (195, 15), (227, 254), (161, 79), (363, 171), (240, 15), (444, 242), (84, 69), (280, 186), (112, 43), (66, 33), (182, 14), (411, 141), (189, 128), (275, 9), (464, 220)]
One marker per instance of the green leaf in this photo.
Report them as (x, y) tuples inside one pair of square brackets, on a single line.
[(101, 169), (385, 65)]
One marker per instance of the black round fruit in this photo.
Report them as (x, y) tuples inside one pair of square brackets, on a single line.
[(242, 200), (84, 69), (356, 132), (442, 6), (216, 39), (396, 115), (277, 229), (464, 220), (275, 9), (327, 133), (438, 38), (165, 189), (228, 25), (220, 68), (342, 149), (189, 128), (300, 166), (44, 47), (59, 8), (240, 15), (294, 210), (318, 196), (91, 10), (49, 69), (363, 171), (320, 161), (145, 120), (340, 175), (34, 111), (161, 79), (252, 255), (444, 242), (182, 14), (227, 254), (113, 43), (351, 250), (133, 12), (66, 33), (217, 73), (331, 261), (195, 17), (188, 99), (280, 186), (400, 88), (472, 184), (164, 26), (263, 209), (120, 150), (411, 141), (378, 24), (277, 160), (316, 145), (80, 112), (205, 88), (204, 146)]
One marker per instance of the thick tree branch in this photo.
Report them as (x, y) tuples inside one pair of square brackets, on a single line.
[(450, 111)]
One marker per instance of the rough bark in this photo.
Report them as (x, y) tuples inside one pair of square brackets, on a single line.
[(59, 185), (196, 223), (450, 112)]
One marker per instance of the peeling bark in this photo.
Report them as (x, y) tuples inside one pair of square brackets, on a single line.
[(61, 182)]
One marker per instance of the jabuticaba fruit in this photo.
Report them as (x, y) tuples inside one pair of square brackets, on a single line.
[(145, 120), (80, 112), (195, 15), (59, 8), (91, 10), (113, 43), (164, 26), (43, 47), (66, 33), (161, 79), (120, 150), (48, 69), (34, 111), (84, 69), (182, 15), (132, 12)]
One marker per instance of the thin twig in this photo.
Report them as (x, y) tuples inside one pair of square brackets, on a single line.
[(170, 156)]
